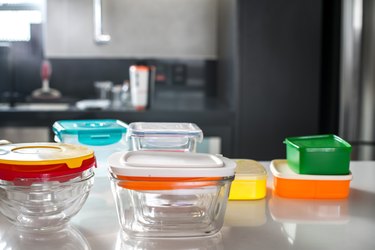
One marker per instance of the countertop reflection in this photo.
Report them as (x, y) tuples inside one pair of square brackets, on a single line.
[(214, 242), (66, 238), (271, 223)]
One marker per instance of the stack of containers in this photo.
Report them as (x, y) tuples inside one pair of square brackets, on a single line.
[(104, 136), (42, 185), (164, 188), (316, 167), (250, 176)]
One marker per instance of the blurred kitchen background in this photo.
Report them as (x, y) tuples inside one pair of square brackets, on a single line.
[(248, 72)]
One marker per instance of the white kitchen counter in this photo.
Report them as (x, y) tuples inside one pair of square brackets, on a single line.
[(271, 223)]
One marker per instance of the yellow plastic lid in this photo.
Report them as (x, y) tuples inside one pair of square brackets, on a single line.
[(249, 170), (32, 154)]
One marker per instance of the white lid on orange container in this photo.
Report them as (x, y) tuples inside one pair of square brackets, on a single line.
[(170, 164), (249, 170), (281, 169)]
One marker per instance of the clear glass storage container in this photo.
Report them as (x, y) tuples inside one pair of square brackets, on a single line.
[(170, 194), (42, 185), (165, 136), (104, 136)]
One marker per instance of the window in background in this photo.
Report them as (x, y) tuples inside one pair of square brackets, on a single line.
[(16, 18)]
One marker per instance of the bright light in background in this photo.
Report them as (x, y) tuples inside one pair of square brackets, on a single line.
[(20, 2), (15, 21), (357, 15)]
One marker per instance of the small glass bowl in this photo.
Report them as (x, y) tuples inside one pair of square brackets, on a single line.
[(43, 204)]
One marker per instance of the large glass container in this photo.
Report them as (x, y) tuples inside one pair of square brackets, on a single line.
[(170, 194)]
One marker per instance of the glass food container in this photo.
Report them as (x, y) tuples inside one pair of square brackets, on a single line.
[(289, 184), (249, 182), (318, 154), (104, 136), (165, 136), (42, 185), (170, 194)]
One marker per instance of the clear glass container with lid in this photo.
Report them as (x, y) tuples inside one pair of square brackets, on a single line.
[(42, 185), (104, 136), (170, 194), (165, 136)]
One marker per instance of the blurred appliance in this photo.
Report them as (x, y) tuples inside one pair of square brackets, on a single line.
[(103, 89), (357, 87), (142, 82)]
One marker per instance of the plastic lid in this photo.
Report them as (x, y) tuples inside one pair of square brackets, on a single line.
[(281, 169), (164, 129), (249, 170), (33, 160), (170, 164), (139, 68), (91, 132), (318, 142)]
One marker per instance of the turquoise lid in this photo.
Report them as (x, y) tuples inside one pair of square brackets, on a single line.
[(91, 132)]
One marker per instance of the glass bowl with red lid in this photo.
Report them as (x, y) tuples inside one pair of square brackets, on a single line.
[(42, 185)]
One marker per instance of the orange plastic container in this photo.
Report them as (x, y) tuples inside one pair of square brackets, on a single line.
[(288, 184)]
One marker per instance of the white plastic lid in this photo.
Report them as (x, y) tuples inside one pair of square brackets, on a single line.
[(164, 129), (170, 164), (281, 169)]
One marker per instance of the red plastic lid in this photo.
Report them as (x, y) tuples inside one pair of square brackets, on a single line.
[(44, 160)]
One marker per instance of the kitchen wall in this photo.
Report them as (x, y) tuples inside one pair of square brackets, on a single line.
[(185, 29)]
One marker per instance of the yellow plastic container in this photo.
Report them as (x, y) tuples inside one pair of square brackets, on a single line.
[(249, 182)]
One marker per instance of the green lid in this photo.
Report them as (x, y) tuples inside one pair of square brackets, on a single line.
[(318, 142)]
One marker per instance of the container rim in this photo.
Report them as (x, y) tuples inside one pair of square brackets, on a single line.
[(59, 128), (293, 141), (170, 164), (281, 169), (141, 183), (165, 129), (40, 180)]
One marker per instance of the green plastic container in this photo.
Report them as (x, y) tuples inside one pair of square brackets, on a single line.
[(319, 154)]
